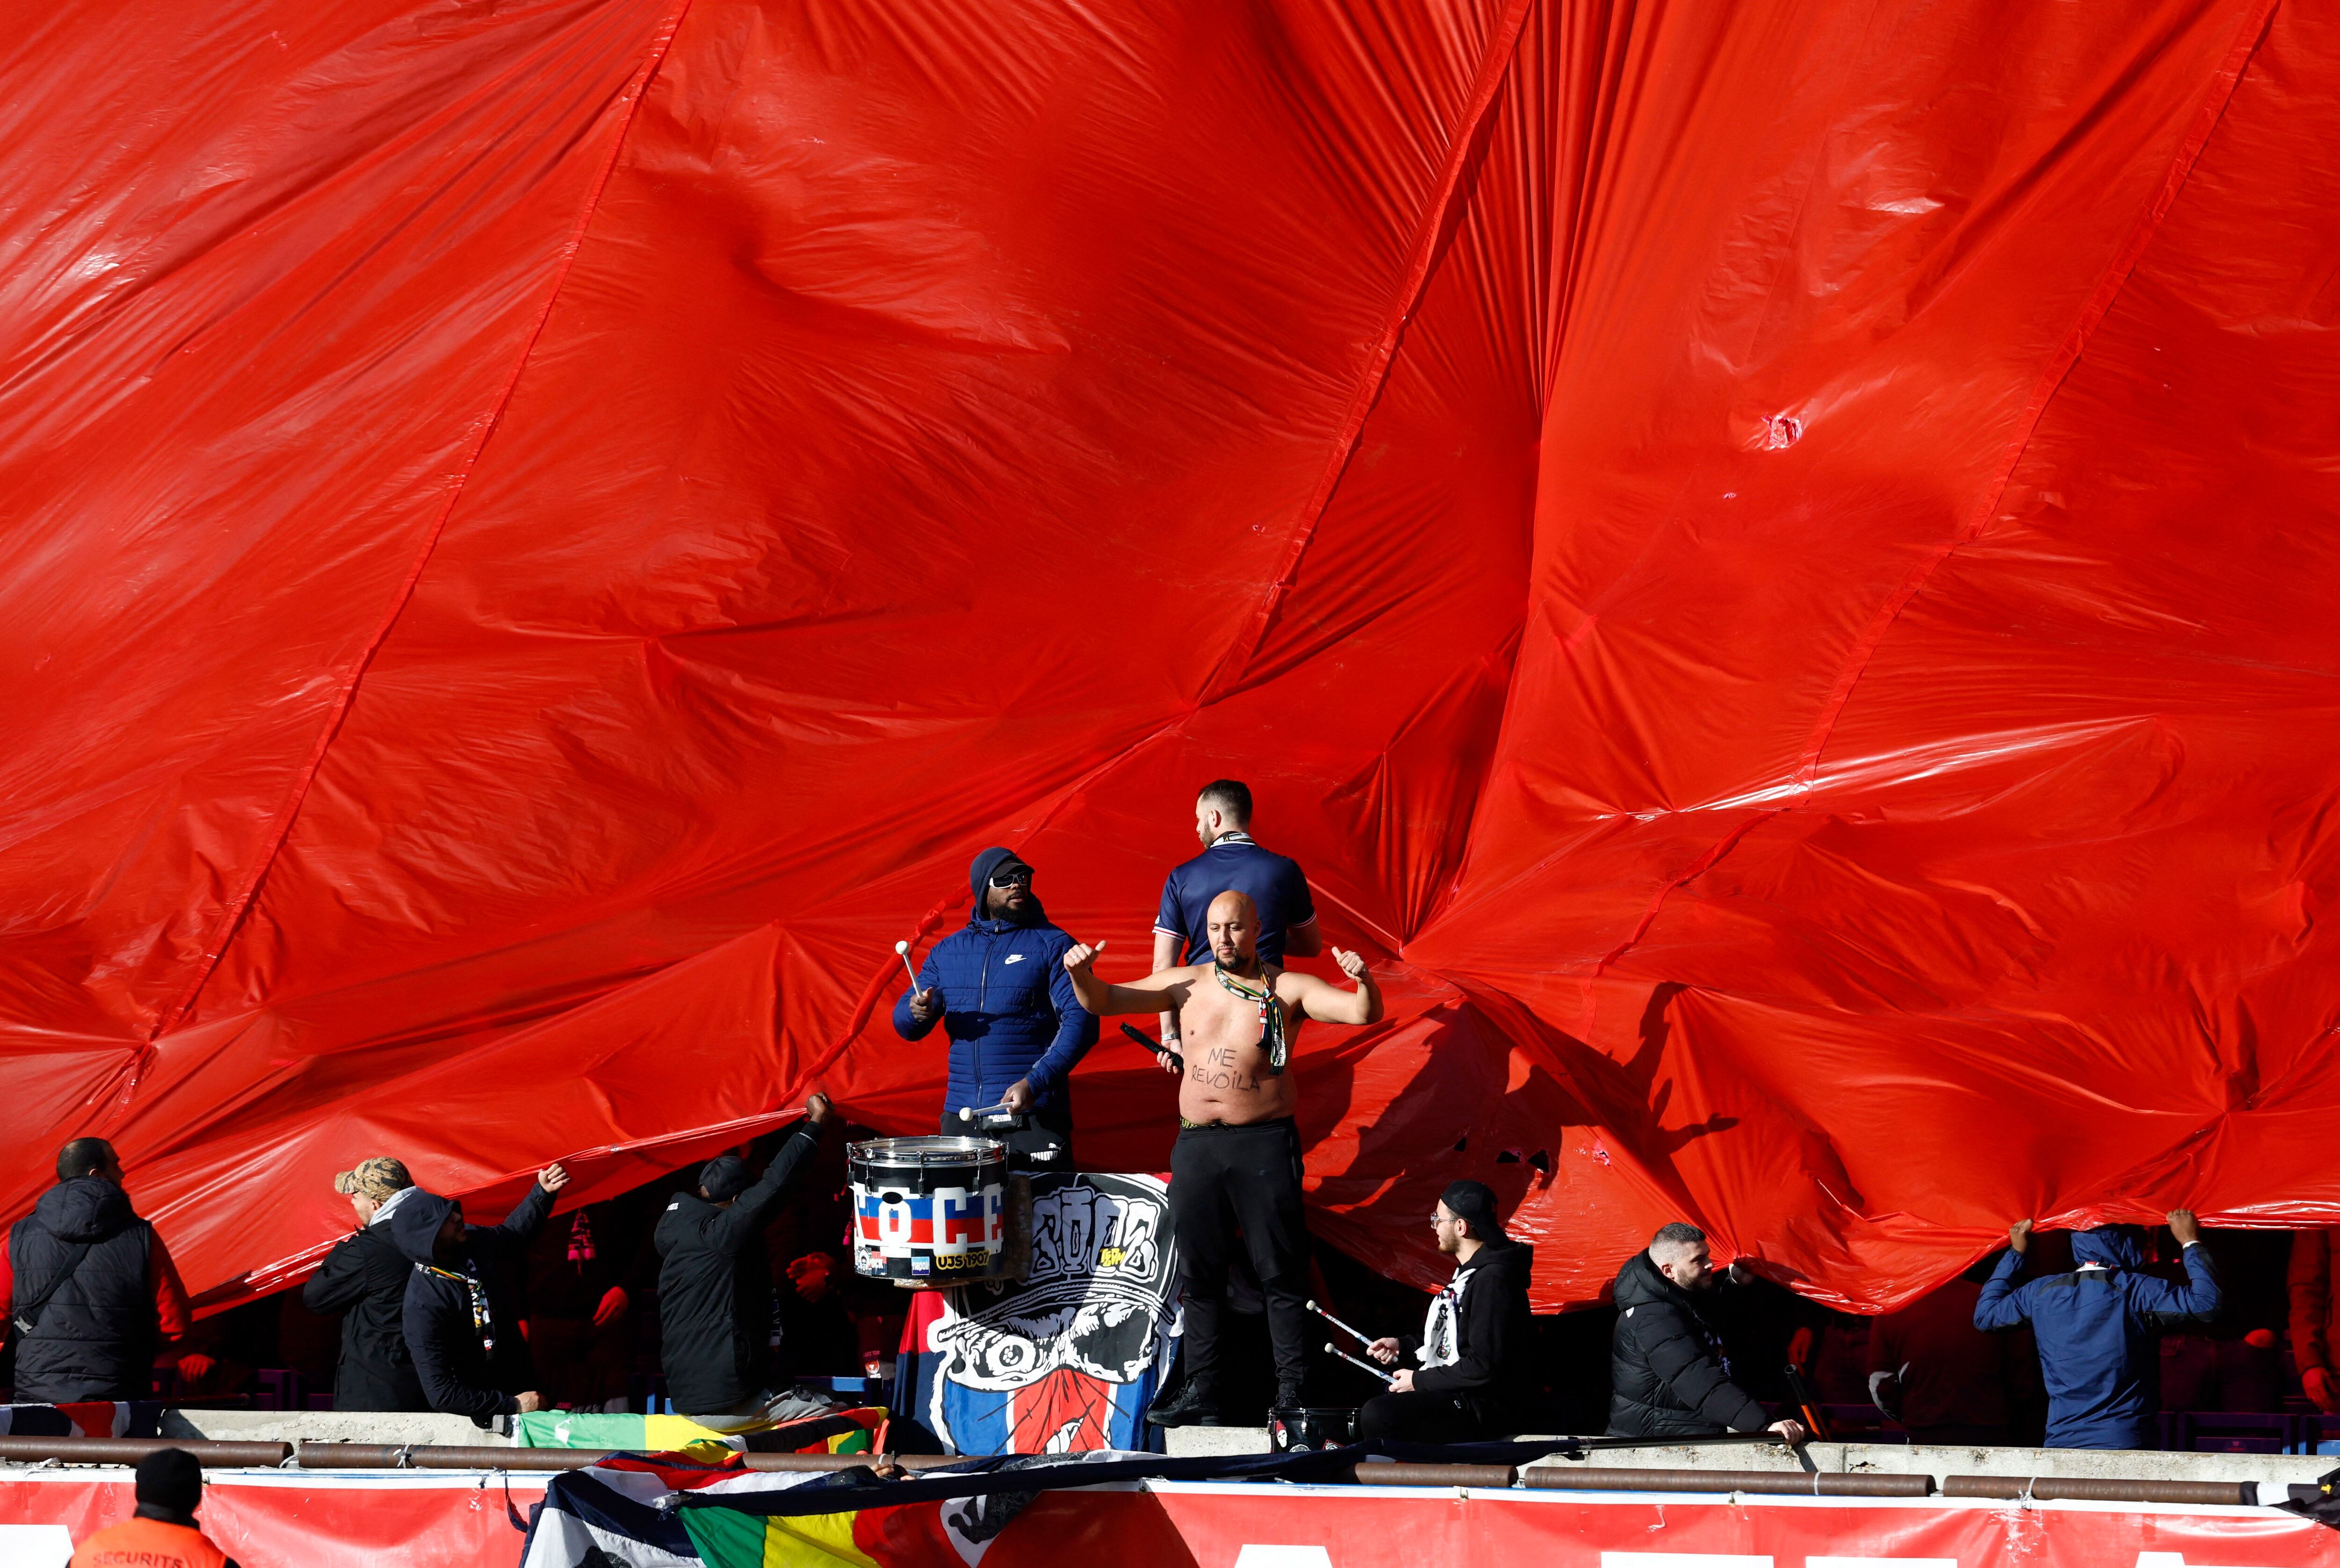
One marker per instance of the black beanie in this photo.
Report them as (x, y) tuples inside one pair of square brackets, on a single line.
[(1475, 1202), (170, 1478), (725, 1175)]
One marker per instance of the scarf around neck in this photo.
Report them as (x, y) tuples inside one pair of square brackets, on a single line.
[(484, 1322), (1271, 1031)]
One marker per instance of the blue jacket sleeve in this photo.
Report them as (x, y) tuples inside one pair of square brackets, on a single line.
[(2000, 1305), (904, 1023), (2198, 1297), (1076, 1031)]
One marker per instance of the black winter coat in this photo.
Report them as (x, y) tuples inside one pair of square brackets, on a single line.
[(363, 1278), (467, 1368), (97, 1336), (715, 1287), (1493, 1334), (1666, 1375)]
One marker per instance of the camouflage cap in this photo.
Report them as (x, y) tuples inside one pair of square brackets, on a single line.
[(376, 1179)]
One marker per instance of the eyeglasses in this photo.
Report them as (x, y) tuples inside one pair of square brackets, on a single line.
[(1017, 878)]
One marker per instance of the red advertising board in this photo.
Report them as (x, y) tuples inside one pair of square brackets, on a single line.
[(1220, 1526), (461, 1521)]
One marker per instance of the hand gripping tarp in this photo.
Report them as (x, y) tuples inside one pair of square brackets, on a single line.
[(1774, 562)]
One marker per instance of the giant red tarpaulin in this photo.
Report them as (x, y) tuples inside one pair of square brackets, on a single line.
[(1773, 560)]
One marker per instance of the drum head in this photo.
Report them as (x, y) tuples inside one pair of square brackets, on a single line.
[(915, 1153)]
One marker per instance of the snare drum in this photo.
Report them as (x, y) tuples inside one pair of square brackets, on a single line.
[(928, 1211), (1304, 1430)]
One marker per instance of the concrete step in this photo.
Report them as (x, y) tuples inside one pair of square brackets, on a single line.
[(1191, 1441), (296, 1426)]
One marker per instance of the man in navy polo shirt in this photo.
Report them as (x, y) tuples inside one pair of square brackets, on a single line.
[(1231, 859)]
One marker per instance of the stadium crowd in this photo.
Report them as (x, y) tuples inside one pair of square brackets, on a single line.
[(712, 1291)]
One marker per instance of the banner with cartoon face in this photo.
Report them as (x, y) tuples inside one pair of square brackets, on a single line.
[(1067, 1360)]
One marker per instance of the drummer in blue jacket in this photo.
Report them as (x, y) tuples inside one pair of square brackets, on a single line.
[(999, 987)]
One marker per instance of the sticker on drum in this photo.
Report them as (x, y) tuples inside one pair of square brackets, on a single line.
[(928, 1206)]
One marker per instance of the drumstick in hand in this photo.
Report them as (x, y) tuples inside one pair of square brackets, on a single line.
[(1361, 1366), (1336, 1322)]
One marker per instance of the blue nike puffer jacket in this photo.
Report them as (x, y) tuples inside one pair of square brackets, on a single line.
[(1010, 1008)]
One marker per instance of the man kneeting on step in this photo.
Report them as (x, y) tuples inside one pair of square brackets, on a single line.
[(1237, 1157)]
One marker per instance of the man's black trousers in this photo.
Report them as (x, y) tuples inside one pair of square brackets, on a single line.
[(1422, 1418), (1222, 1177)]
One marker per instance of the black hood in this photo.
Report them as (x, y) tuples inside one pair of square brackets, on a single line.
[(1639, 1284), (979, 877), (414, 1225), (1506, 1260), (87, 1208)]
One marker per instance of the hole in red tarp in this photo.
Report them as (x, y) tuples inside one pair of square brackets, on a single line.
[(1782, 429)]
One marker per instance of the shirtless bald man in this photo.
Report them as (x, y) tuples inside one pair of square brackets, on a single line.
[(1237, 1159)]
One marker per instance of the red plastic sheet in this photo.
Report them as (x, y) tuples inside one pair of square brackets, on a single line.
[(1772, 561)]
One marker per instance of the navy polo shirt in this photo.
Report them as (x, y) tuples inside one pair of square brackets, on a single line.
[(1276, 883)]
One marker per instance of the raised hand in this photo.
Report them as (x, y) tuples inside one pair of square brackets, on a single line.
[(1080, 955), (2184, 1227), (1352, 963), (819, 1109), (552, 1178), (2019, 1234), (2322, 1389)]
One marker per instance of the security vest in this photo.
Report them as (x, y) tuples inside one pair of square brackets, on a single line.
[(148, 1544)]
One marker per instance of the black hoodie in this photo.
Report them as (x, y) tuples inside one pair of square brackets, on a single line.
[(1493, 1332), (1666, 1373), (467, 1366), (715, 1287)]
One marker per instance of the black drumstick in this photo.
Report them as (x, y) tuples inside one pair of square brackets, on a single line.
[(1177, 1060)]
